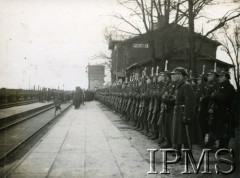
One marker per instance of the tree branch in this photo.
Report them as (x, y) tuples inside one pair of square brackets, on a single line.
[(129, 23), (221, 23), (125, 31)]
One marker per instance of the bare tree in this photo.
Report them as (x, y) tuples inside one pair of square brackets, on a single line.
[(231, 45), (162, 12), (103, 57), (195, 9), (145, 16)]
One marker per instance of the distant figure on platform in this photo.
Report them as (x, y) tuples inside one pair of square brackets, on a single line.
[(57, 104), (83, 97), (78, 96)]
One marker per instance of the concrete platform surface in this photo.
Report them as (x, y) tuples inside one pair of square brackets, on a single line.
[(19, 109), (84, 143)]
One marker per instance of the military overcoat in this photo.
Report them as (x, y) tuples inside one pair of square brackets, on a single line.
[(185, 106)]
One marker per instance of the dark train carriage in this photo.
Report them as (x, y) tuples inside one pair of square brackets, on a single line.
[(22, 94), (3, 97), (11, 95)]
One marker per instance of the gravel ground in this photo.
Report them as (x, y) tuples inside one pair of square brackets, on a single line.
[(142, 143)]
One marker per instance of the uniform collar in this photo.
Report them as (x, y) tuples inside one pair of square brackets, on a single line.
[(181, 82)]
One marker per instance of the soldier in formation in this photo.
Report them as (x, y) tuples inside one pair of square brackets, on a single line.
[(174, 109)]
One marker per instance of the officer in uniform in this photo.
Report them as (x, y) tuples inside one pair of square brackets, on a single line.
[(186, 130), (222, 122)]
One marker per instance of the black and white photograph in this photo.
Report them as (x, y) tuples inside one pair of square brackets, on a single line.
[(119, 88)]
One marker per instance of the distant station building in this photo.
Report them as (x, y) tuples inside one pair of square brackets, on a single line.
[(96, 74), (172, 44)]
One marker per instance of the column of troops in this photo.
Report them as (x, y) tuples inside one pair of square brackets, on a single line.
[(48, 94), (175, 109)]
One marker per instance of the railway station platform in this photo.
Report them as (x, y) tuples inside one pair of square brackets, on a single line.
[(20, 109), (84, 143), (93, 141)]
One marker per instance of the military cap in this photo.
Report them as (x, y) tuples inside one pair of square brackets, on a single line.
[(225, 73), (180, 70), (212, 72)]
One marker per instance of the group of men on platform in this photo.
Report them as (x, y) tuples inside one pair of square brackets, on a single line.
[(80, 96), (175, 109)]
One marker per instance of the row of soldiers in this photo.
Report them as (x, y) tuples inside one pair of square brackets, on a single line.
[(47, 95), (174, 109)]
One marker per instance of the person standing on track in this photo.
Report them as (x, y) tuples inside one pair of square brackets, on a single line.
[(57, 104)]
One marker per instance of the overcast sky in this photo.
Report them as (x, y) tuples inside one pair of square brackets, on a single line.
[(50, 42)]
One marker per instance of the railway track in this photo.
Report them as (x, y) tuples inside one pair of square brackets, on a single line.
[(19, 117), (20, 128), (20, 103)]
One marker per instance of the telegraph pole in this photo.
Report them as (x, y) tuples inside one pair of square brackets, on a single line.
[(29, 83), (88, 78)]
